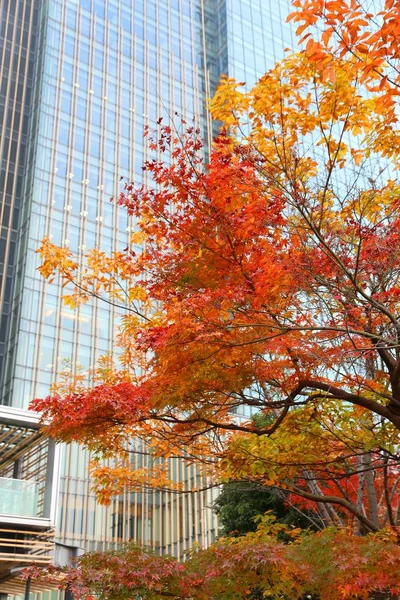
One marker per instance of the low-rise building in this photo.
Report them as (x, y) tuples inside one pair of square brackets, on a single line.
[(28, 496)]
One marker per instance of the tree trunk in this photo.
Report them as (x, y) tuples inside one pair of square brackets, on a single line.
[(361, 529), (329, 514), (371, 492)]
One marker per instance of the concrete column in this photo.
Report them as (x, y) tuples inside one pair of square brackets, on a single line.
[(51, 481)]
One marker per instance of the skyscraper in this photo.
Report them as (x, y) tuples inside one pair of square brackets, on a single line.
[(94, 73)]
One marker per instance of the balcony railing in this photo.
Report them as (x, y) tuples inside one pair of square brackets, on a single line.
[(18, 497)]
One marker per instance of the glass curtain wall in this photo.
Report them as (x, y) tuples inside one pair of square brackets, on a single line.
[(256, 36), (105, 69), (18, 50)]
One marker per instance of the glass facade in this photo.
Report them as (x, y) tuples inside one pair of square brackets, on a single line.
[(103, 70), (18, 46), (256, 37), (106, 70)]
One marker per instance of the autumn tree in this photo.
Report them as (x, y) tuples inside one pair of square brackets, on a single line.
[(267, 283)]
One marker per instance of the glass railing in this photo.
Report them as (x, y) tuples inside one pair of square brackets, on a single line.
[(18, 497)]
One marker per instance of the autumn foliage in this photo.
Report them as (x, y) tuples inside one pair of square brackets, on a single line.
[(330, 565), (260, 294)]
